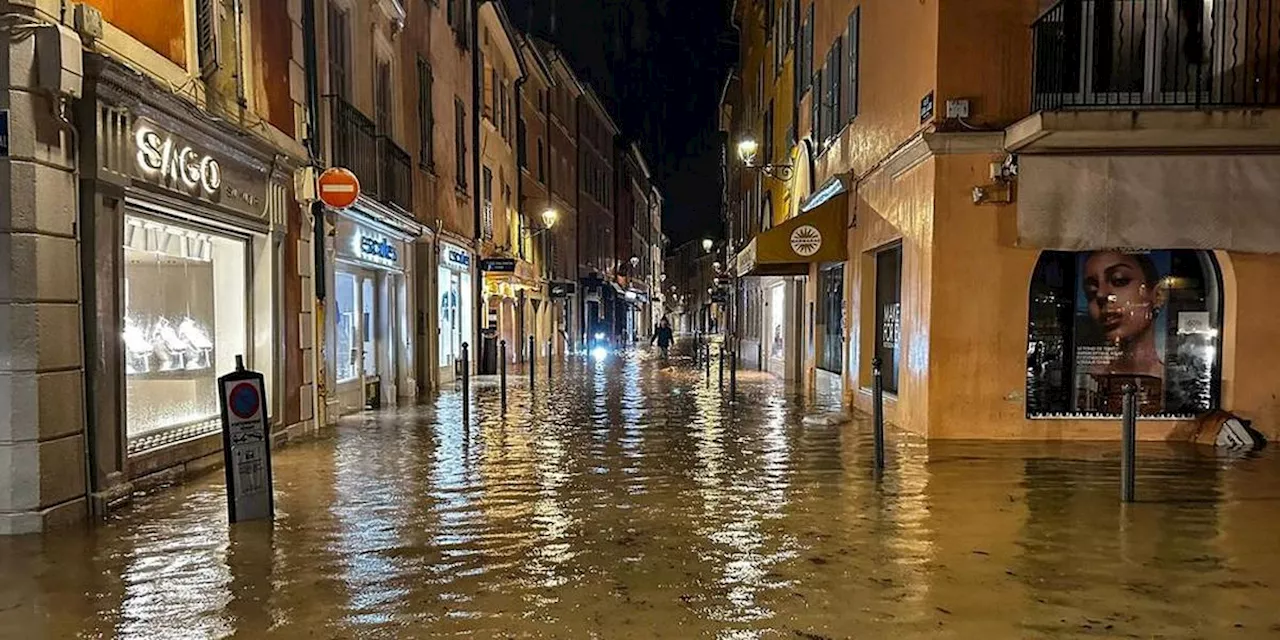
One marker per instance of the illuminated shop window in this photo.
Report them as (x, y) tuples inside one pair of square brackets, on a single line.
[(185, 320), (1100, 320)]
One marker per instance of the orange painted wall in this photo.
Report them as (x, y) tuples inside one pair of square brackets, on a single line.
[(984, 54), (159, 24), (1251, 339), (273, 48)]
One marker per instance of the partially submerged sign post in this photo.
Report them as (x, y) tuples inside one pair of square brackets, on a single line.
[(246, 444)]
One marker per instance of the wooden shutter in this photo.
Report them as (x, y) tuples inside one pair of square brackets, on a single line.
[(208, 39), (852, 45)]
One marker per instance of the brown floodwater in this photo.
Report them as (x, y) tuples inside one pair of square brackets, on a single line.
[(628, 500)]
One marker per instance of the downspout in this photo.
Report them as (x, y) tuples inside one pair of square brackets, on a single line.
[(241, 102), (477, 282), (311, 68)]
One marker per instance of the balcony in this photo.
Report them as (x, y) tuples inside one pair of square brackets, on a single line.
[(385, 170), (1100, 54)]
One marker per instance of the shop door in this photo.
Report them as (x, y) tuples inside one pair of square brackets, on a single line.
[(831, 284), (889, 314), (451, 325)]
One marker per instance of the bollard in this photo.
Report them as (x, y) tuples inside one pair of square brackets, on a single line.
[(533, 363), (466, 387), (733, 375), (550, 359), (1129, 442), (502, 373), (707, 362), (720, 365), (760, 356), (877, 413)]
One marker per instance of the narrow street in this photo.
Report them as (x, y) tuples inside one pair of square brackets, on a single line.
[(629, 500)]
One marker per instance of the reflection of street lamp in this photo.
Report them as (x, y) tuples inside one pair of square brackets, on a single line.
[(635, 261), (664, 277), (707, 244), (747, 148), (716, 266)]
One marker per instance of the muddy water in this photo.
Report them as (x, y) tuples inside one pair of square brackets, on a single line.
[(627, 501)]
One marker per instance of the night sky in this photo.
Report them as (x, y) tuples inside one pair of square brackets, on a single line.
[(659, 65)]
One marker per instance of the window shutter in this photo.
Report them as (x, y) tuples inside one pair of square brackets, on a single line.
[(837, 82), (207, 37), (815, 110), (854, 44)]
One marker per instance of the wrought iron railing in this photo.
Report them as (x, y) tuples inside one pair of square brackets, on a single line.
[(355, 144), (395, 172), (384, 168), (1144, 53)]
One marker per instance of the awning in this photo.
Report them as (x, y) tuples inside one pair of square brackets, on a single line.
[(818, 235), (1203, 201)]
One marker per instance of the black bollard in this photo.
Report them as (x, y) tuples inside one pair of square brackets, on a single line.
[(1129, 442), (466, 387), (502, 373), (533, 363), (550, 359), (760, 356), (733, 375), (877, 412)]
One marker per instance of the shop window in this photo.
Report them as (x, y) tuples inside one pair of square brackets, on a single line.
[(186, 319), (348, 345), (888, 334), (1101, 320)]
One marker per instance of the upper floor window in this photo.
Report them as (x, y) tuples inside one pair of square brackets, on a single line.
[(852, 44), (460, 140), (339, 51), (382, 98), (426, 115), (458, 21), (541, 176), (486, 195)]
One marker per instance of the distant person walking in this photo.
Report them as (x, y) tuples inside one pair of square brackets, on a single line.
[(663, 337)]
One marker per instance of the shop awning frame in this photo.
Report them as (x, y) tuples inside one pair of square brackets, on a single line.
[(815, 236)]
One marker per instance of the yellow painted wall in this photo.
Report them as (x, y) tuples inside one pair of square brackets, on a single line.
[(159, 24), (1251, 339)]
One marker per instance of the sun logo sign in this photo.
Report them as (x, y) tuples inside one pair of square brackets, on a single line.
[(806, 240)]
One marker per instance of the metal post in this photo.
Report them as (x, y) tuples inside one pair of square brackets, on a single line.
[(502, 373), (720, 365), (733, 375), (549, 360), (760, 357), (533, 362), (877, 412), (466, 387), (707, 361), (1128, 456)]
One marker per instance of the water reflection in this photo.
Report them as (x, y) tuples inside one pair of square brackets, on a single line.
[(629, 499)]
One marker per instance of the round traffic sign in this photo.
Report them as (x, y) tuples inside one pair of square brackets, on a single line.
[(338, 187), (244, 400)]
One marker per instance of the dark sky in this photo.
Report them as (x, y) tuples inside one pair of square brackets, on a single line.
[(659, 65)]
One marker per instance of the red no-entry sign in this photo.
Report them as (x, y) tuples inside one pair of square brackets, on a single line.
[(338, 187)]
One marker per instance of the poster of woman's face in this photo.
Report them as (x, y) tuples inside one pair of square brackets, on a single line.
[(1120, 328)]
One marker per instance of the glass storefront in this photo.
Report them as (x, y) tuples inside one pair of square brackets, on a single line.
[(453, 307), (1101, 320), (778, 321), (889, 315), (831, 318), (185, 320)]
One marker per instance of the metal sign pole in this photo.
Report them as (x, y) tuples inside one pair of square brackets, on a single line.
[(533, 363), (550, 360), (877, 412), (466, 387), (502, 373), (246, 444)]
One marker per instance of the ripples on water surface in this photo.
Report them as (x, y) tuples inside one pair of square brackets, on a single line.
[(628, 501)]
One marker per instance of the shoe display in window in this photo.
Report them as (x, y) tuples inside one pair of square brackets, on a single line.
[(199, 346), (137, 348), (169, 347)]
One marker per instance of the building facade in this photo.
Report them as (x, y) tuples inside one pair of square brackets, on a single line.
[(560, 160), (597, 263), (943, 143)]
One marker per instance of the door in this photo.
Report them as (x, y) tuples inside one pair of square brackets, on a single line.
[(831, 290)]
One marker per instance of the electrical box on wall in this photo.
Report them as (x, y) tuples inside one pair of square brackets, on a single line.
[(88, 21), (958, 108), (304, 185), (59, 60)]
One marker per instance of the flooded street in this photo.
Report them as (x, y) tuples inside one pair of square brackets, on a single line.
[(628, 500)]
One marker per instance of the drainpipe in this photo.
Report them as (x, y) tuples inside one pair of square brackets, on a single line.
[(241, 102), (477, 83)]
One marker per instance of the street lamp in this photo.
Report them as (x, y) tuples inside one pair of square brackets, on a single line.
[(747, 148), (716, 266), (707, 244), (550, 217)]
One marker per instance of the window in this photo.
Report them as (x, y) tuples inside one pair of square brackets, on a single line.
[(504, 112), (768, 135), (831, 119), (339, 52), (486, 210), (815, 109), (460, 141), (382, 98), (853, 40), (457, 14), (186, 317), (426, 116), (888, 315), (1101, 320), (541, 174), (522, 146)]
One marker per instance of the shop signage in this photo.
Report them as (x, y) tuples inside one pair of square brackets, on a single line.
[(246, 445), (175, 163), (562, 289), (454, 257), (4, 133), (378, 248), (806, 240), (167, 160), (498, 265), (926, 108)]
